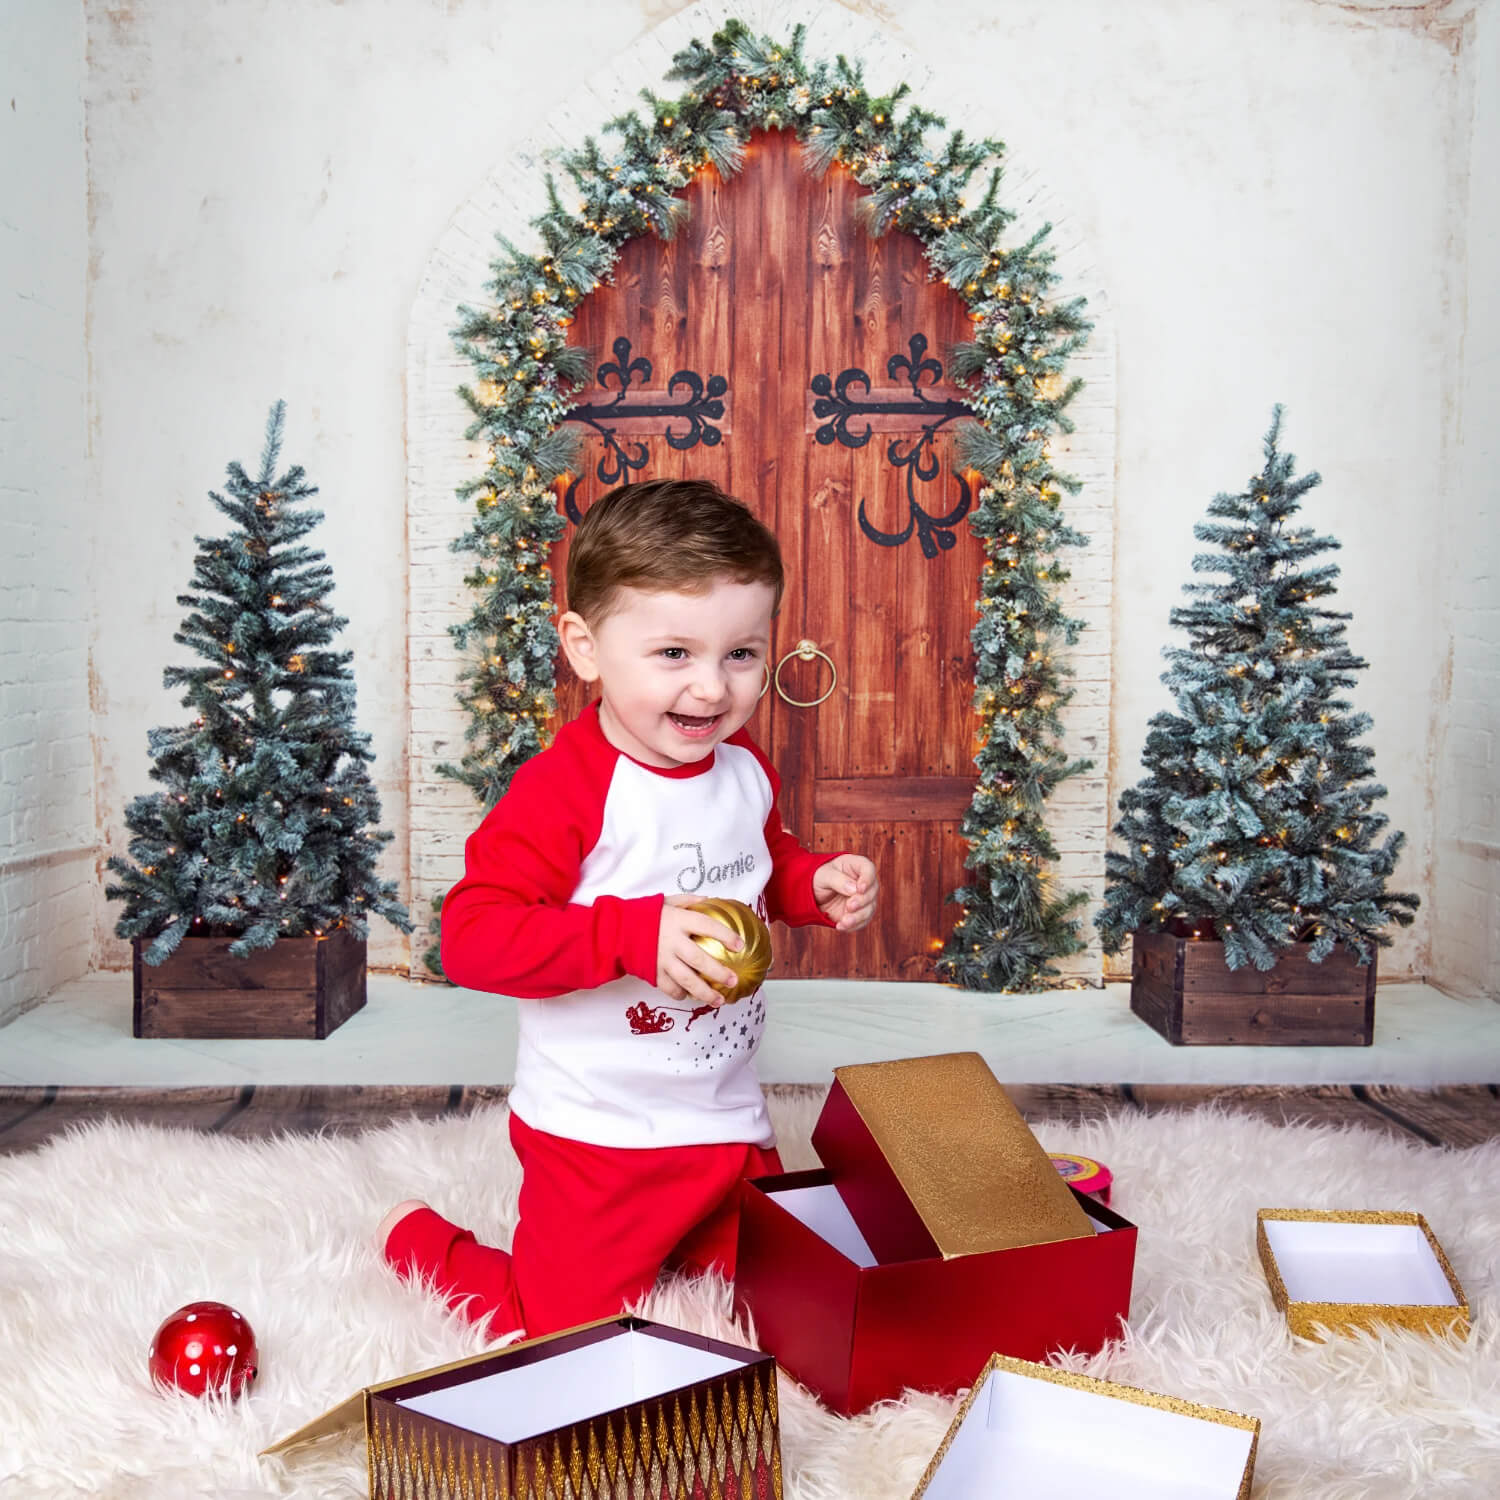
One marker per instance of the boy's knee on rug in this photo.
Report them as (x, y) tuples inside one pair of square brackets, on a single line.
[(582, 1295), (393, 1218), (418, 1243)]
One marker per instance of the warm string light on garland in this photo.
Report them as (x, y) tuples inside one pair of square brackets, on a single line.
[(1013, 919)]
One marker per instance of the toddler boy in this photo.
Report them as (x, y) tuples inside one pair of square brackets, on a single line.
[(636, 1109)]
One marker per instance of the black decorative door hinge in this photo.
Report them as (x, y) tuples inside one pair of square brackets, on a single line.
[(918, 458)]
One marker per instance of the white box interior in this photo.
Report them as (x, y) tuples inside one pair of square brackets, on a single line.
[(528, 1399), (1327, 1261), (824, 1212), (1028, 1436)]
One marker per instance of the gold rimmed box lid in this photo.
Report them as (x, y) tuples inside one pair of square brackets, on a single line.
[(1019, 1431), (543, 1385), (1358, 1269), (931, 1156), (351, 1413)]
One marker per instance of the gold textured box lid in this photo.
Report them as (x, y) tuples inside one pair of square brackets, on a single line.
[(1307, 1318), (353, 1411), (973, 1171)]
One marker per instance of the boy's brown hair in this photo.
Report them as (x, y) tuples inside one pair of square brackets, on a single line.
[(663, 535)]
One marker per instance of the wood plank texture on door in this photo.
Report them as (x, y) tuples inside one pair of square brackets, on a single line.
[(771, 284)]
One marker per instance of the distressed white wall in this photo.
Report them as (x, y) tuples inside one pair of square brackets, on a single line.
[(1274, 192), (1466, 866), (1272, 205), (266, 181), (47, 839)]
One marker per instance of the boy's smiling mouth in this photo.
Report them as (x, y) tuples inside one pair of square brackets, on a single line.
[(695, 725)]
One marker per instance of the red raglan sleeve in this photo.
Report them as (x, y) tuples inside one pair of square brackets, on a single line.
[(509, 926), (789, 892)]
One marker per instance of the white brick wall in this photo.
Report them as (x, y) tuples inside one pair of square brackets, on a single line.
[(442, 811), (1466, 865), (46, 761)]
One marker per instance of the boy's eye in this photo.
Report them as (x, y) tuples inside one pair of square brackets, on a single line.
[(677, 653)]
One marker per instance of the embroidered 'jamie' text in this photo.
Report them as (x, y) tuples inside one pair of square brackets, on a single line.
[(692, 877)]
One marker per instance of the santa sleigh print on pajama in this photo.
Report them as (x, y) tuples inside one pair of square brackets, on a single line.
[(561, 904)]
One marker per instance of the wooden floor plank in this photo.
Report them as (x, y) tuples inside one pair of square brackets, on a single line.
[(480, 1095), (19, 1102), (277, 1109), (240, 1110), (1324, 1104), (1067, 1101), (25, 1115), (185, 1108), (1459, 1115), (29, 1116)]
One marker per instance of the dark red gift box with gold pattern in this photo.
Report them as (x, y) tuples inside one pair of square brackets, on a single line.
[(937, 1233), (624, 1409)]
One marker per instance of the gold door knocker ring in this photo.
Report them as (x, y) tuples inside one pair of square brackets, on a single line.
[(805, 651)]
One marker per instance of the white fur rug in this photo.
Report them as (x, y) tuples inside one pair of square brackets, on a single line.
[(105, 1231)]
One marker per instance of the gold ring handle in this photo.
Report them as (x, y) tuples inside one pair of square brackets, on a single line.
[(805, 651)]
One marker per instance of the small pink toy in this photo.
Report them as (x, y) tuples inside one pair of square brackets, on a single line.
[(1085, 1174)]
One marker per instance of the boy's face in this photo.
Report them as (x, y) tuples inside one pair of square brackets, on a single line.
[(678, 672)]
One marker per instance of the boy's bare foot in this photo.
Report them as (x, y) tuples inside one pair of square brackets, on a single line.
[(392, 1219)]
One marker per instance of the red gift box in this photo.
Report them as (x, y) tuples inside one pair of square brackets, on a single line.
[(858, 1324)]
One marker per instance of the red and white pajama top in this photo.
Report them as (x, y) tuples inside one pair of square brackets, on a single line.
[(560, 906)]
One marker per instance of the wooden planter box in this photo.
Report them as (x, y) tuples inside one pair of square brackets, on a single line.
[(1181, 987), (301, 987)]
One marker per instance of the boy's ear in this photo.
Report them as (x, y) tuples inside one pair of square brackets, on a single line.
[(578, 645)]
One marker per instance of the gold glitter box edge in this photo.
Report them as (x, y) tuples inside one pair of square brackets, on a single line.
[(1098, 1387), (1309, 1319)]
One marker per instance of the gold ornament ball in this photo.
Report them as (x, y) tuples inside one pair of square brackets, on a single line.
[(753, 961)]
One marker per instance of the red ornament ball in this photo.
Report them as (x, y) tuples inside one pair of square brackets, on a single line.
[(204, 1346)]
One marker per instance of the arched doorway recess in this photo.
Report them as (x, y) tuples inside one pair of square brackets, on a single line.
[(878, 583)]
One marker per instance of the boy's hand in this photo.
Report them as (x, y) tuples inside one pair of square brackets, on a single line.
[(845, 890), (683, 969)]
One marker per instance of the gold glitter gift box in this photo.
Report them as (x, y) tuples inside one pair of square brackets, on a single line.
[(623, 1409), (1358, 1270), (1028, 1429), (937, 1232)]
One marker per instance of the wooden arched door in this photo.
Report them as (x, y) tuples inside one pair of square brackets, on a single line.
[(777, 349)]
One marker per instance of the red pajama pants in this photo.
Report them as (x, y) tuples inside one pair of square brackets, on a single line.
[(597, 1224)]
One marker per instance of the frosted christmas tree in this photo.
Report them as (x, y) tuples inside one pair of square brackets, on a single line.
[(1256, 820), (264, 827)]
